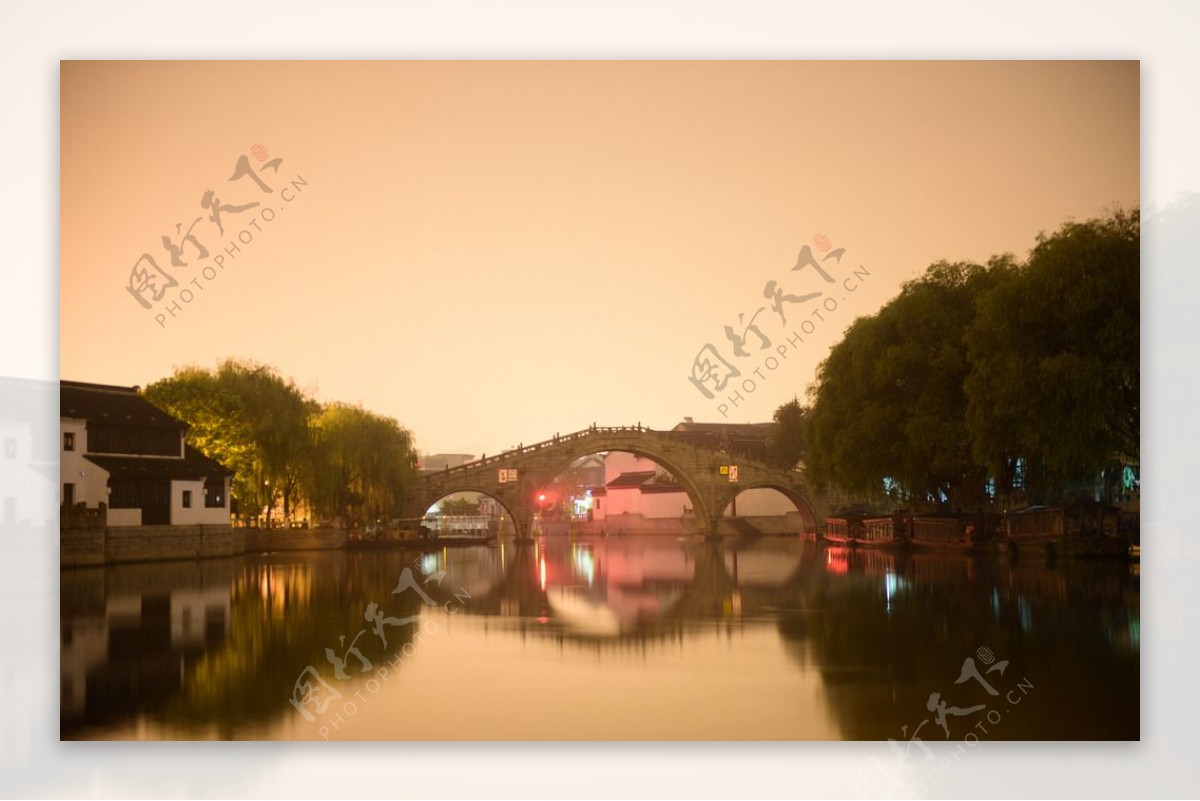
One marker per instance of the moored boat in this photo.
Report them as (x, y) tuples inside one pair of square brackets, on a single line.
[(879, 532), (1070, 530), (842, 530), (855, 528), (948, 533)]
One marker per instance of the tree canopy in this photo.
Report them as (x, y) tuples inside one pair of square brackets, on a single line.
[(984, 378), (285, 448), (1055, 354)]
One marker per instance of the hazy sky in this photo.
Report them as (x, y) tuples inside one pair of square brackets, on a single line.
[(495, 251)]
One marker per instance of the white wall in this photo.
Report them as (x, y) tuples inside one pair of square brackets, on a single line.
[(198, 513), (90, 480), (663, 504)]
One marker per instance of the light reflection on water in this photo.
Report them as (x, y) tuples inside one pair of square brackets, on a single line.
[(589, 638)]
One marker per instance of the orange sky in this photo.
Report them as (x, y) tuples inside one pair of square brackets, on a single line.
[(494, 251)]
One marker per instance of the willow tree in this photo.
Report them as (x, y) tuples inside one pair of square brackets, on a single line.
[(1055, 360), (362, 465), (249, 418)]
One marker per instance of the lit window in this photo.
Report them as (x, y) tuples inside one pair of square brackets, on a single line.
[(68, 440), (214, 494)]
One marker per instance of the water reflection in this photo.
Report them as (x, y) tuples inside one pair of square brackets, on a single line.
[(619, 638)]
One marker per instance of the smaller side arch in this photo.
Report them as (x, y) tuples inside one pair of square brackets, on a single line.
[(434, 495), (808, 515)]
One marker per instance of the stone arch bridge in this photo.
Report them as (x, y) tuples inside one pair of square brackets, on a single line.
[(697, 467)]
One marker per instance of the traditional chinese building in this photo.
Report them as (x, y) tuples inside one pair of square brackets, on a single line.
[(124, 462)]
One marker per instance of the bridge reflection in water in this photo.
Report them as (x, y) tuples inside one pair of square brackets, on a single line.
[(591, 638)]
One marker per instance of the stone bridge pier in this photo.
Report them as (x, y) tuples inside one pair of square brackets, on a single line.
[(515, 478)]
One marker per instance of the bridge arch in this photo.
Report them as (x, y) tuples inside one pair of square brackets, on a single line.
[(700, 505), (438, 496), (803, 505)]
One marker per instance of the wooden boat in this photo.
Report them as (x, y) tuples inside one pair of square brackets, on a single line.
[(842, 530), (878, 532), (947, 533), (1071, 530), (458, 530), (452, 539), (859, 531)]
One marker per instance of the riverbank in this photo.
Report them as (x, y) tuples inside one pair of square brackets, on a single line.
[(82, 547)]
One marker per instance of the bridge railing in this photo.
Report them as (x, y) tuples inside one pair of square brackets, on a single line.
[(521, 450), (559, 439)]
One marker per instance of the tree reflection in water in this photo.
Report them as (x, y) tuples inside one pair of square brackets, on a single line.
[(213, 649)]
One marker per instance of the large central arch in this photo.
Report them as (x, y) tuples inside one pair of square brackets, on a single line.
[(700, 503)]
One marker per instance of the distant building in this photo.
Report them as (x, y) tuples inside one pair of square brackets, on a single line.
[(120, 451), (440, 461), (746, 439), (635, 485)]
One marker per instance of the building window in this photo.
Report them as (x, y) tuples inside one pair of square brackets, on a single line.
[(68, 495), (68, 440), (214, 493), (187, 499), (10, 447)]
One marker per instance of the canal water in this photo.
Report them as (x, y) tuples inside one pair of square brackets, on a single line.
[(630, 638)]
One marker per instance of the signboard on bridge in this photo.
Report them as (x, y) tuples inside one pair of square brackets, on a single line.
[(733, 474), (508, 475)]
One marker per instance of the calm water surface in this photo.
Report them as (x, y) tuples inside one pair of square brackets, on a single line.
[(619, 638)]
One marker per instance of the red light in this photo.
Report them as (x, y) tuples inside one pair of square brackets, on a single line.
[(542, 497)]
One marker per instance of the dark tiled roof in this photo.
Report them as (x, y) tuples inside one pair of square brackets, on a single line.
[(725, 429), (195, 465), (626, 480), (748, 439), (120, 406), (661, 488)]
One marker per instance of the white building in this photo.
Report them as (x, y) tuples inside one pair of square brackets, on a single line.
[(126, 460)]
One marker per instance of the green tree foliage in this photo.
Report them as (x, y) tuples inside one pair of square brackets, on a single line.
[(786, 443), (243, 415), (347, 463), (889, 403), (973, 370), (458, 506), (1055, 355), (273, 413), (362, 465)]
